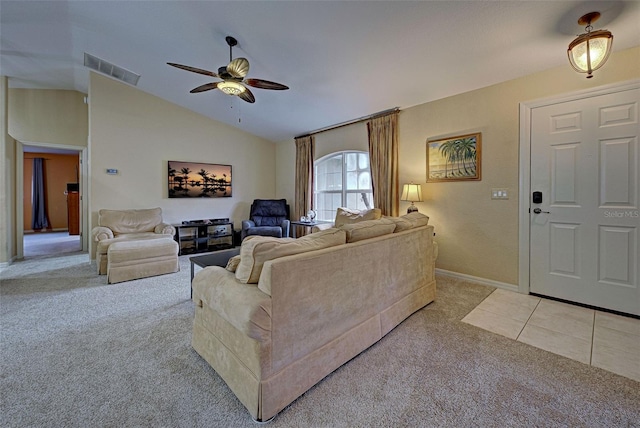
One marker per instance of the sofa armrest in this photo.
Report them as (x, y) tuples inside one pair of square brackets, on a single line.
[(165, 229), (243, 306), (100, 233)]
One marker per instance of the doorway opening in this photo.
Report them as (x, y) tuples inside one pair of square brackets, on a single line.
[(50, 206)]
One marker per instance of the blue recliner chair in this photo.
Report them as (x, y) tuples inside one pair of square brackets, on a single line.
[(268, 217)]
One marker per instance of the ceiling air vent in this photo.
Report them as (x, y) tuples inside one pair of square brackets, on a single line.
[(105, 67)]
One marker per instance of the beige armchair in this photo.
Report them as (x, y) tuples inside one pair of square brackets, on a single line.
[(127, 225)]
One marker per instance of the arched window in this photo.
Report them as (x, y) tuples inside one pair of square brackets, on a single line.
[(342, 179)]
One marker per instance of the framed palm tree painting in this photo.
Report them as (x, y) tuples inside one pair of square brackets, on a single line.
[(454, 158), (199, 180)]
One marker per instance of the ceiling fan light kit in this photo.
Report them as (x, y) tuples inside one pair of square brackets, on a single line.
[(233, 77), (231, 88), (590, 50)]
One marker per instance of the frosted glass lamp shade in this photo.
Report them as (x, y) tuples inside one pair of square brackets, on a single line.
[(589, 51), (231, 88)]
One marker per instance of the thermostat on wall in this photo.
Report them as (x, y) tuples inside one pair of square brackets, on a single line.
[(112, 171)]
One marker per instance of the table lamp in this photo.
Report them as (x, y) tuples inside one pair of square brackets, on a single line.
[(412, 193)]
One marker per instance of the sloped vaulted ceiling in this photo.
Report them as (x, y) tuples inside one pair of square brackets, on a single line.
[(342, 60)]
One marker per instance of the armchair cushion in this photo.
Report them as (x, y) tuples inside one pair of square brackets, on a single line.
[(274, 231), (268, 217), (269, 212), (130, 221)]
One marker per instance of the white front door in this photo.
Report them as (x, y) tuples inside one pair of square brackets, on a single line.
[(584, 233)]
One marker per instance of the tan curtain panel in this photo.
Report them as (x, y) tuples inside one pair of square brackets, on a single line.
[(304, 179), (383, 152)]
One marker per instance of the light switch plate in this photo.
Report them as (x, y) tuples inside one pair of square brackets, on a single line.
[(499, 193)]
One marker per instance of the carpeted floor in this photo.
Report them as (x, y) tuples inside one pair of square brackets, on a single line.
[(40, 244), (78, 352)]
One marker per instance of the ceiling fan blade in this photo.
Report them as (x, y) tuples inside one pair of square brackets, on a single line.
[(193, 69), (238, 68), (247, 96), (265, 84), (205, 87)]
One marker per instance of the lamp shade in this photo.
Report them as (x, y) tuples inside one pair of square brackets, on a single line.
[(412, 193), (231, 88), (589, 51)]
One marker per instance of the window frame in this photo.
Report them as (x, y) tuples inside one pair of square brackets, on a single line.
[(344, 191)]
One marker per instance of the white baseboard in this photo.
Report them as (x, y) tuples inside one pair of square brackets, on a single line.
[(483, 281)]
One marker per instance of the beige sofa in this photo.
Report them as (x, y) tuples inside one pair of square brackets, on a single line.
[(128, 225), (296, 310)]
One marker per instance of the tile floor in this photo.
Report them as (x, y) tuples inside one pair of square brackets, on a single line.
[(610, 342)]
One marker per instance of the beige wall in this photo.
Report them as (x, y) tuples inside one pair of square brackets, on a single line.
[(137, 133), (477, 236), (48, 116)]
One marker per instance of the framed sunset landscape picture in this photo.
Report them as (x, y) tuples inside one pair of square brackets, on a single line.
[(199, 180), (454, 158)]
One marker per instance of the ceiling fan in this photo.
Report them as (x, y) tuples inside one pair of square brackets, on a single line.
[(233, 77)]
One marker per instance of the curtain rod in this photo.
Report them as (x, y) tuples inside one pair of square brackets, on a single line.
[(351, 122)]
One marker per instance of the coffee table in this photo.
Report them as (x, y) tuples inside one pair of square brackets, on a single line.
[(217, 258)]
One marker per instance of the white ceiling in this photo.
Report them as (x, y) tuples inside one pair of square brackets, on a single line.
[(341, 59)]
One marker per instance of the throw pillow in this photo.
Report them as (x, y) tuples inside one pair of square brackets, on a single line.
[(347, 216), (260, 249), (368, 229), (232, 264)]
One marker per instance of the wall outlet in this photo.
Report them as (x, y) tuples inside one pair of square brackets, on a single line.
[(499, 194)]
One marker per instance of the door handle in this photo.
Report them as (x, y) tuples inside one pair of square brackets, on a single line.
[(538, 211)]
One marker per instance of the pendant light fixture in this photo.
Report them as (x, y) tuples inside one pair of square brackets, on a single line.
[(589, 51)]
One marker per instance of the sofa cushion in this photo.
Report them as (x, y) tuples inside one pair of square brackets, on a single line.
[(402, 224), (259, 249), (418, 219), (130, 221), (347, 216), (368, 229)]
